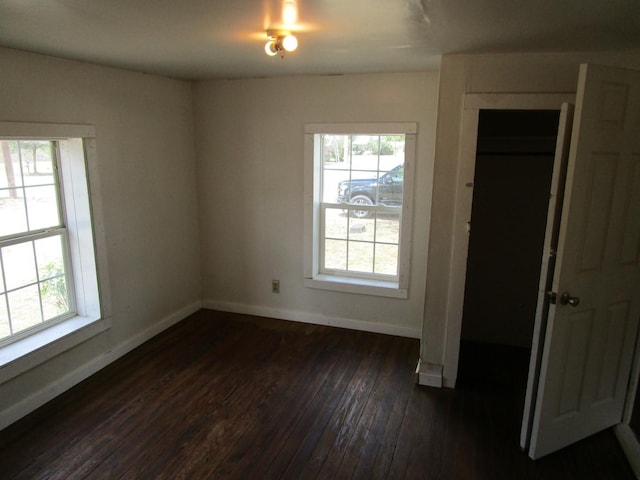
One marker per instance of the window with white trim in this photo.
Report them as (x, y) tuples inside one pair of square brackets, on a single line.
[(358, 220), (50, 300), (35, 284)]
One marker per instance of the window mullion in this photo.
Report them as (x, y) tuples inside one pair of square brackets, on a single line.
[(31, 236), (23, 186), (6, 293), (26, 285), (348, 239), (58, 185), (35, 258), (375, 243), (322, 235), (66, 259)]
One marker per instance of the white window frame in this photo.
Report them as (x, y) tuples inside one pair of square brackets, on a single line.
[(32, 235), (313, 277), (77, 163)]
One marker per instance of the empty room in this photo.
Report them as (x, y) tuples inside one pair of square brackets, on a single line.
[(296, 239)]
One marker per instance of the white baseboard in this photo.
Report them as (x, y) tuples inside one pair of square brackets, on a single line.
[(49, 392), (630, 446), (314, 318), (429, 375)]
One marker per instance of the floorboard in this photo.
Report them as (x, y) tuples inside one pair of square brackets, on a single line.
[(239, 397)]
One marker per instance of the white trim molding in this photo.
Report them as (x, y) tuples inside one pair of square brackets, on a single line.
[(429, 375), (18, 130), (517, 101), (29, 352), (313, 318), (342, 280), (402, 128)]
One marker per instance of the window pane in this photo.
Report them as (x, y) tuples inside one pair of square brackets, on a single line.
[(50, 260), (335, 223), (42, 205), (362, 229), (361, 257), (9, 166), (13, 216), (391, 186), (386, 259), (335, 254), (29, 164), (334, 183), (335, 163), (388, 228), (333, 150), (365, 151), (37, 162), (359, 144), (24, 306), (19, 265), (49, 257), (54, 297), (4, 318)]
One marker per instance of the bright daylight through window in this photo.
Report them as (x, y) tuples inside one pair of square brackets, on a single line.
[(34, 278), (359, 218)]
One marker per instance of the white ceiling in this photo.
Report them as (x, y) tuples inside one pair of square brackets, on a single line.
[(225, 38)]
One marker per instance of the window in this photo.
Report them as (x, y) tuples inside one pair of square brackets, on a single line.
[(51, 243), (358, 214), (34, 280)]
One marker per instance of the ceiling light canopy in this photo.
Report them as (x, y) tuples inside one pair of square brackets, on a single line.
[(280, 42)]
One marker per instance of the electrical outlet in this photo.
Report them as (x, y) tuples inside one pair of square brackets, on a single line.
[(275, 286)]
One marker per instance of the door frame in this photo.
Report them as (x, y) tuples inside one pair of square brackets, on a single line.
[(627, 439), (472, 104)]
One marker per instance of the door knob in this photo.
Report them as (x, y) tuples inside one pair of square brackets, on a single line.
[(567, 299)]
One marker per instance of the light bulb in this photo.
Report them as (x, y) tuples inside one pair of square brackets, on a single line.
[(270, 48), (290, 43)]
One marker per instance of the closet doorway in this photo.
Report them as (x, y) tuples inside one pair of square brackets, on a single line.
[(513, 170)]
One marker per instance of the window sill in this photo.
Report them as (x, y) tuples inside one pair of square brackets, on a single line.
[(27, 353), (357, 285)]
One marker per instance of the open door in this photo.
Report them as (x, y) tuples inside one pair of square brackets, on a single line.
[(554, 213), (592, 326)]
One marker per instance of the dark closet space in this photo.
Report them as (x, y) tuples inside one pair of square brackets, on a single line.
[(514, 163)]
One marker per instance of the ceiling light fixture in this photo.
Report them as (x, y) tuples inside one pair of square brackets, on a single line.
[(280, 42)]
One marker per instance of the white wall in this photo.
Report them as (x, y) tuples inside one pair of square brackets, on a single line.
[(459, 75), (251, 174), (146, 166)]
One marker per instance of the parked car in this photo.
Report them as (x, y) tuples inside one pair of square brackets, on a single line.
[(385, 190)]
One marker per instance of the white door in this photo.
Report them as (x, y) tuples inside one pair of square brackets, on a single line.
[(592, 327), (547, 268)]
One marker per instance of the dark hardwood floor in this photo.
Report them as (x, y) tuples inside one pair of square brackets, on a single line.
[(231, 396)]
